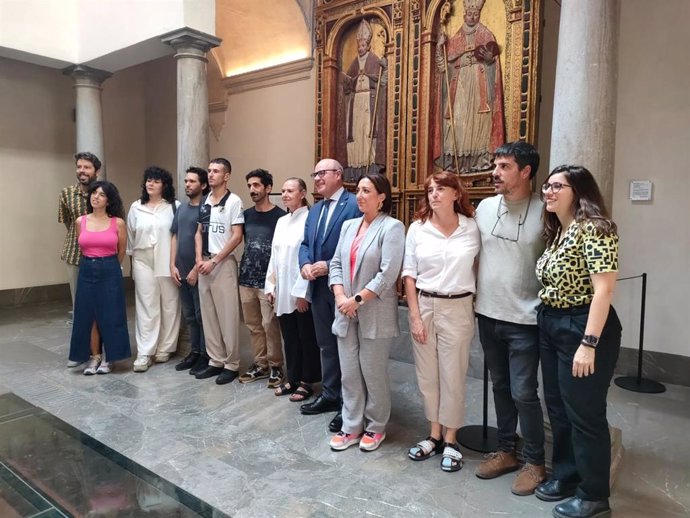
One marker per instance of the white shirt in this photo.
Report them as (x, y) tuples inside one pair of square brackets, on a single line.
[(150, 228), (283, 276), (442, 264), (335, 197), (223, 217)]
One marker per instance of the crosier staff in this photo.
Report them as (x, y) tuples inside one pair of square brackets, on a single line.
[(445, 14), (372, 118)]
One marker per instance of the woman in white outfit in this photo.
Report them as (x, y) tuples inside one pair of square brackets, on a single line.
[(157, 316), (288, 291), (439, 277)]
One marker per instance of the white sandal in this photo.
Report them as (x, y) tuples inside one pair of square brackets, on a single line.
[(452, 458)]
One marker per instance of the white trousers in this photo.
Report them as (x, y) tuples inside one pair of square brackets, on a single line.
[(157, 308)]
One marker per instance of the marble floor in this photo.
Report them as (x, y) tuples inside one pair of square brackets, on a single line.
[(250, 454)]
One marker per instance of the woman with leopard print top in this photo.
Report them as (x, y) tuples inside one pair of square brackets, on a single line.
[(580, 337)]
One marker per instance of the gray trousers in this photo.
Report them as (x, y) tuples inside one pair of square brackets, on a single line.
[(366, 387)]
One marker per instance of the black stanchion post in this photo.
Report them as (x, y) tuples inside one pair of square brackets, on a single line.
[(481, 438), (638, 383)]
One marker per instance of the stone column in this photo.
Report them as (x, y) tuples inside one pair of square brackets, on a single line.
[(87, 84), (192, 97), (584, 112)]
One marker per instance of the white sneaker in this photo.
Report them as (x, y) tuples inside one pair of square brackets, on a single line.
[(161, 357), (71, 364), (92, 367), (142, 363), (104, 368)]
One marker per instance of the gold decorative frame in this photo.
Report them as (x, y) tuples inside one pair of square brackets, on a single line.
[(411, 27)]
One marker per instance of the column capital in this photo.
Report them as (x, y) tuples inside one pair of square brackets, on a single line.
[(86, 76), (185, 40)]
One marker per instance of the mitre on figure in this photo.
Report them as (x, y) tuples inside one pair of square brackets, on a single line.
[(364, 32), (473, 4)]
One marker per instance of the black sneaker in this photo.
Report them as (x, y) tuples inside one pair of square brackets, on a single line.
[(276, 377), (227, 376), (209, 372), (254, 373), (188, 362), (200, 365)]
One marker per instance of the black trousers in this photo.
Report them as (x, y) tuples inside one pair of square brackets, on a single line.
[(511, 352), (577, 406), (302, 359), (323, 311)]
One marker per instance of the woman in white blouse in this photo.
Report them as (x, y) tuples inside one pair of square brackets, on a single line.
[(439, 277), (288, 292), (157, 300)]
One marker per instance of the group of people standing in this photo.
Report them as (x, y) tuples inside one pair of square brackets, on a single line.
[(538, 272)]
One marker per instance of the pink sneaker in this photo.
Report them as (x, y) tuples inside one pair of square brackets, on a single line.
[(342, 441), (370, 441)]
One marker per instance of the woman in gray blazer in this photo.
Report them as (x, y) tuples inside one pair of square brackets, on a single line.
[(363, 276)]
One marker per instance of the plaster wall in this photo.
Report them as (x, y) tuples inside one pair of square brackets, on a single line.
[(271, 128), (53, 23), (653, 125), (64, 32), (37, 141)]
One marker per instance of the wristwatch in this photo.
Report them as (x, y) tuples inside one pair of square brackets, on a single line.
[(590, 341), (358, 299)]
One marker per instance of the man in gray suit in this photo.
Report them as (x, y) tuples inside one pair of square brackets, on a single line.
[(321, 234)]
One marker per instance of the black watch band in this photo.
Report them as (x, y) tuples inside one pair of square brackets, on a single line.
[(591, 340)]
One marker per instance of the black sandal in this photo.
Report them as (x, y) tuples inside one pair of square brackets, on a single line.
[(284, 390), (425, 449), (302, 393)]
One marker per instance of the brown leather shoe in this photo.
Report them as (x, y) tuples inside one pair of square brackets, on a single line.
[(496, 464), (528, 479)]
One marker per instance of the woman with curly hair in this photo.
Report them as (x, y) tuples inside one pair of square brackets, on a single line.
[(100, 317), (439, 276), (580, 336), (157, 308)]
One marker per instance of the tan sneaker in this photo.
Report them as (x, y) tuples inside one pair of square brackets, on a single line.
[(496, 464), (528, 479)]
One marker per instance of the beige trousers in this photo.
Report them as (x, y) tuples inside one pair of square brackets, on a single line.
[(441, 363), (157, 307), (220, 314), (264, 331)]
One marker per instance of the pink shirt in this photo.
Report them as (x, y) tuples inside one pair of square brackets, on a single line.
[(98, 244), (353, 253)]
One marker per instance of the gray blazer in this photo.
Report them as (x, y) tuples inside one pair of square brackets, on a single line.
[(377, 267)]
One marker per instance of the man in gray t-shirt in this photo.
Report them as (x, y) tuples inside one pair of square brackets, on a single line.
[(506, 306), (183, 267)]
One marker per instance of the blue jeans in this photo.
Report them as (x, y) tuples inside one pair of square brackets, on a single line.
[(191, 311), (511, 352)]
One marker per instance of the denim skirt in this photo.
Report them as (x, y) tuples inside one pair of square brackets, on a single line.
[(100, 298)]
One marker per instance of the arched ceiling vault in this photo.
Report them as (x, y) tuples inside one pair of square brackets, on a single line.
[(258, 34)]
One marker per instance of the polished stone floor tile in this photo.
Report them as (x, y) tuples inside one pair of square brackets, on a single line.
[(250, 454)]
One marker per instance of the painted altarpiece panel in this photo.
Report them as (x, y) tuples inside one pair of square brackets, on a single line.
[(384, 73)]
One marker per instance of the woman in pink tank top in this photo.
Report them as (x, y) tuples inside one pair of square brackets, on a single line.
[(100, 319)]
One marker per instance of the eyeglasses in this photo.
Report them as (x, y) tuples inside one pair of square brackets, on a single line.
[(554, 186), (322, 173), (500, 219)]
